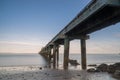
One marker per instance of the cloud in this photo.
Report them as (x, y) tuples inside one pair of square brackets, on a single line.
[(118, 35), (19, 47), (93, 46), (19, 43), (103, 47)]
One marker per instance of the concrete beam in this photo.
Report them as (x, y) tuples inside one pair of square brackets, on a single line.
[(72, 37)]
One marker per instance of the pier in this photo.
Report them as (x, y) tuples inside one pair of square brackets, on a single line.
[(98, 14)]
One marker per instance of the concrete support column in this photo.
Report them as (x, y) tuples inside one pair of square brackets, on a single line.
[(54, 56), (49, 51), (46, 53), (66, 52), (57, 51), (83, 53)]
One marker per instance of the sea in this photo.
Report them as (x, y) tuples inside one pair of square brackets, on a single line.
[(13, 64), (34, 59)]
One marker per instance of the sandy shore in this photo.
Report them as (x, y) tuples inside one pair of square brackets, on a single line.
[(55, 74)]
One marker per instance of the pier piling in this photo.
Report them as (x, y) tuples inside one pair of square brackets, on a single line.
[(83, 53), (66, 52), (54, 56)]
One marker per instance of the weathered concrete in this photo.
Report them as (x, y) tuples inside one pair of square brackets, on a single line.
[(54, 56), (97, 15), (66, 52), (57, 55), (49, 51), (83, 53)]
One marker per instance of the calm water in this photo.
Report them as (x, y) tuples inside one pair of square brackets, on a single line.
[(21, 59), (36, 59), (20, 63)]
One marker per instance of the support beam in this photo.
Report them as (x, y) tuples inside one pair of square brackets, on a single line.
[(66, 52), (83, 53)]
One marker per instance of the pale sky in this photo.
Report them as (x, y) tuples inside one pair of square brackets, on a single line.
[(28, 25)]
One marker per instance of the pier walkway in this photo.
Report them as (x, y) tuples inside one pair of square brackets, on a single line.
[(97, 15)]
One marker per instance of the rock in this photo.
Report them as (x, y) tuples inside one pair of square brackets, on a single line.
[(94, 65), (78, 75), (46, 74), (111, 68), (91, 70), (102, 67), (73, 62), (117, 66), (40, 68), (97, 70), (117, 74), (114, 67)]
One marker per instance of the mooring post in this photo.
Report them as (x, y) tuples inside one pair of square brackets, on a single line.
[(83, 53), (66, 52), (54, 56)]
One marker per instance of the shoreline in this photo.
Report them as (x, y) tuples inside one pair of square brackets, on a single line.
[(56, 74), (44, 73)]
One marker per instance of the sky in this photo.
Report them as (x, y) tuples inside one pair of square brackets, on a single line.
[(28, 25)]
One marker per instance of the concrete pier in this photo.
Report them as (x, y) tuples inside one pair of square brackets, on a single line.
[(98, 14)]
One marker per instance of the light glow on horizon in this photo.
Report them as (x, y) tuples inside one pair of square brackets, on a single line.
[(19, 47)]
